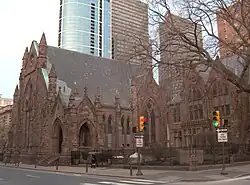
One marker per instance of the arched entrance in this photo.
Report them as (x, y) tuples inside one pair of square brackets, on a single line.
[(85, 136), (60, 140), (57, 138)]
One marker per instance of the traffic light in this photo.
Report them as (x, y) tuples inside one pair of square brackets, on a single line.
[(216, 118), (142, 123)]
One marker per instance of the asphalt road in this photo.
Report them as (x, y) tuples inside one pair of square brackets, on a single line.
[(17, 176)]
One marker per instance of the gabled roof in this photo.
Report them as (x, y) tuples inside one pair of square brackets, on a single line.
[(78, 69)]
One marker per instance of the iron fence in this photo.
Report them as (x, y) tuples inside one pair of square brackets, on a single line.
[(155, 156)]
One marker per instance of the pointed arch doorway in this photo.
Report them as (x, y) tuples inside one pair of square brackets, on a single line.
[(57, 138), (85, 139)]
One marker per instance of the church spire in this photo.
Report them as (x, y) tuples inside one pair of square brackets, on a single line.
[(85, 91), (25, 57), (52, 82), (52, 73), (43, 52)]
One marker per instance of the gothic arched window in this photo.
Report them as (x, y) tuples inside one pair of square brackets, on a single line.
[(104, 123), (110, 124), (215, 90), (226, 90), (153, 131), (198, 94), (194, 94), (128, 125), (146, 133), (122, 124)]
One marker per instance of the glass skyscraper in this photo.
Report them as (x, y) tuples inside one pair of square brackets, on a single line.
[(84, 26)]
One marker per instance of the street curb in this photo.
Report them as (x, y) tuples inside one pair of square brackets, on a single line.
[(82, 173)]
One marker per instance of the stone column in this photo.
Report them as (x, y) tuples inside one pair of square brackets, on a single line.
[(100, 130)]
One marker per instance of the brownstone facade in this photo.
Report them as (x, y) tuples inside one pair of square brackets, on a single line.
[(191, 113), (5, 123), (232, 27), (68, 101)]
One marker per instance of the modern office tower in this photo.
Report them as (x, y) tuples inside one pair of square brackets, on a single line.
[(129, 25), (84, 26), (106, 28), (171, 77)]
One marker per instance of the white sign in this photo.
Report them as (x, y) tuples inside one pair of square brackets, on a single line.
[(139, 142), (222, 137), (221, 130)]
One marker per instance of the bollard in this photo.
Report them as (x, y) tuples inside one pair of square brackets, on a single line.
[(35, 160), (87, 167), (131, 170), (56, 164)]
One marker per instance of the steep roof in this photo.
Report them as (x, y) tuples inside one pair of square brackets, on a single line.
[(78, 69)]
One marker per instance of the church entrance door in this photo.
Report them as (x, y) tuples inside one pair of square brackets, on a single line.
[(57, 138), (85, 137)]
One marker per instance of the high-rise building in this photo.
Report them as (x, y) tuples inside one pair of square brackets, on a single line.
[(84, 26), (176, 55), (106, 28), (129, 27), (232, 27)]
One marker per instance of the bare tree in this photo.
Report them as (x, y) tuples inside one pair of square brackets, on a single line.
[(202, 54)]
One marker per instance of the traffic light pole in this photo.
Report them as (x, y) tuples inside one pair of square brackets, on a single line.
[(223, 170), (139, 173)]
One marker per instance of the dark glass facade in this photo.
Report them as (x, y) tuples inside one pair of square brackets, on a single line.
[(84, 26)]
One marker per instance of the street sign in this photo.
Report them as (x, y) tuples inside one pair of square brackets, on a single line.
[(221, 130), (139, 142), (222, 137)]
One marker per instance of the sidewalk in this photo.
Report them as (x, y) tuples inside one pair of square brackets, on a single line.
[(164, 175), (82, 170)]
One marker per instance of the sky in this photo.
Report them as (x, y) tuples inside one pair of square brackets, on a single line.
[(21, 22)]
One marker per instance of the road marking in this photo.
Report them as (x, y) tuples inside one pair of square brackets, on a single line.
[(87, 184), (32, 176), (113, 183), (145, 180), (60, 173), (78, 175), (136, 182)]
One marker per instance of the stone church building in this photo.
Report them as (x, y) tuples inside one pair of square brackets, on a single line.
[(191, 112), (68, 101)]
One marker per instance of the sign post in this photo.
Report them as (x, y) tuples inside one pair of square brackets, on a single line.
[(222, 138), (139, 144)]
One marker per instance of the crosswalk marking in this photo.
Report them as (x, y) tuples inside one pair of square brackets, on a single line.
[(127, 182), (114, 183), (145, 180), (137, 182), (78, 175)]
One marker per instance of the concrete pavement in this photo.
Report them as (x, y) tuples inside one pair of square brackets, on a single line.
[(239, 181)]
